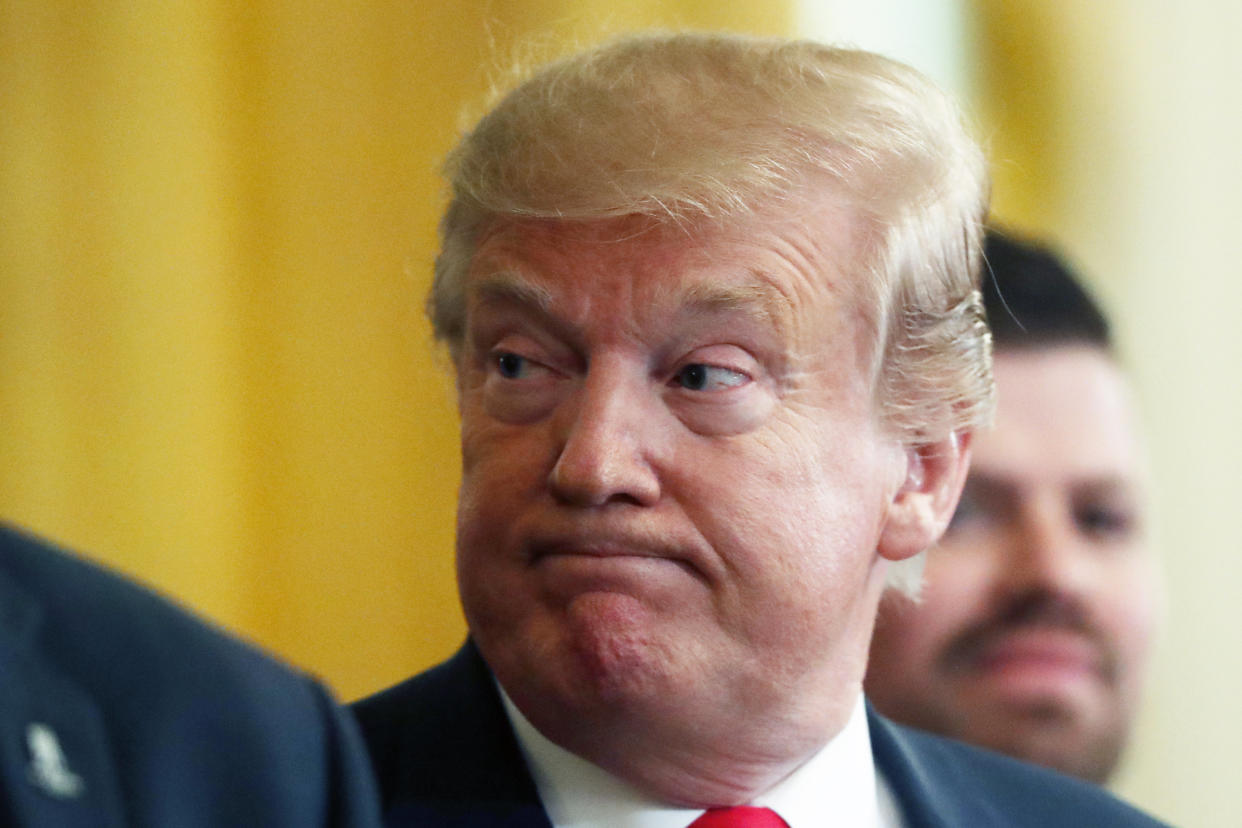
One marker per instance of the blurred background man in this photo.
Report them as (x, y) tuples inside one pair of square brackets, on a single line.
[(1032, 632)]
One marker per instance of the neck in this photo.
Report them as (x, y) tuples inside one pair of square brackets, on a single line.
[(693, 761), (734, 769)]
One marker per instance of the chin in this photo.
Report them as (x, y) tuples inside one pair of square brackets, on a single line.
[(1088, 756), (612, 646), (600, 650), (1062, 737)]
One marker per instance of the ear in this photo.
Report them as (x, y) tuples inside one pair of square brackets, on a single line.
[(922, 507)]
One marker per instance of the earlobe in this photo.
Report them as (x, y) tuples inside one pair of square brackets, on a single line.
[(923, 505)]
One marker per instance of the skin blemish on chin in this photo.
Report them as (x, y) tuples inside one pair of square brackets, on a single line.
[(607, 634)]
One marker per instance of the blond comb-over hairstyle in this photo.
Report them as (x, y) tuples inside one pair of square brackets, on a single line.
[(692, 127)]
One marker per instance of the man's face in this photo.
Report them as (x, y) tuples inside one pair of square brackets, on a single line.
[(1033, 629), (674, 479)]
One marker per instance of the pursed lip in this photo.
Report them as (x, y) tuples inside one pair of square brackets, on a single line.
[(608, 545)]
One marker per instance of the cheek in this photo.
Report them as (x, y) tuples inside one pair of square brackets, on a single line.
[(1132, 609), (479, 432), (502, 470), (956, 585), (488, 559), (770, 497), (797, 526), (498, 455), (911, 636)]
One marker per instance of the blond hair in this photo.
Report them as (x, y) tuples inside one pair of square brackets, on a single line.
[(690, 127)]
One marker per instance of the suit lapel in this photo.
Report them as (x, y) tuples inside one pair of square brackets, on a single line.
[(906, 774), (55, 764), (446, 754), (932, 787)]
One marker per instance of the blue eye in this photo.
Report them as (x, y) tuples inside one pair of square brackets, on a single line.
[(510, 365), (699, 377)]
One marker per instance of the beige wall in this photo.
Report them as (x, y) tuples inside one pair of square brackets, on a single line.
[(1116, 130)]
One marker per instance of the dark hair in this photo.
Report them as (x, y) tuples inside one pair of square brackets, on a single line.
[(1033, 299)]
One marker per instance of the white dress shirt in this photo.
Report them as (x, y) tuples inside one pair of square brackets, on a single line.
[(838, 786)]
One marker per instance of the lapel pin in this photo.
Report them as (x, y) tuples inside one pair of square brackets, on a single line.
[(49, 770)]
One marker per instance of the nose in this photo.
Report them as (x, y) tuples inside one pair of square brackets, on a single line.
[(609, 434), (1046, 551)]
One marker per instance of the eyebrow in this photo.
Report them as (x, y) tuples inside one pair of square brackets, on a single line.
[(758, 298), (510, 288), (983, 481)]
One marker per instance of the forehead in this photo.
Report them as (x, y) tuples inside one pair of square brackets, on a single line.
[(769, 265), (1062, 413)]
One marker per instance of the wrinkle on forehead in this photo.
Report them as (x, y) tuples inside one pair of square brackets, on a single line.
[(687, 270), (758, 296)]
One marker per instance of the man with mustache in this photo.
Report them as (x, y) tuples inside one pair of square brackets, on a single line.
[(712, 306), (1032, 631)]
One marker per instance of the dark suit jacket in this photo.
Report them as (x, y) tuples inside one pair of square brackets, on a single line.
[(118, 708), (445, 755)]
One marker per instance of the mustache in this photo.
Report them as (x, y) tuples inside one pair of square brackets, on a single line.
[(1033, 609)]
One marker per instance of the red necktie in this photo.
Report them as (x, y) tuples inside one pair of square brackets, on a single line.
[(742, 816)]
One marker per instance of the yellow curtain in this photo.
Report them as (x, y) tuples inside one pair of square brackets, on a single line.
[(1049, 82), (216, 227)]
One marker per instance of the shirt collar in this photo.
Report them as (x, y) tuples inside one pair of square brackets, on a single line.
[(838, 786)]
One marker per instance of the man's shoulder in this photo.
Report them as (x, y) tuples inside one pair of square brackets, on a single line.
[(181, 721), (87, 620), (416, 727), (939, 781)]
